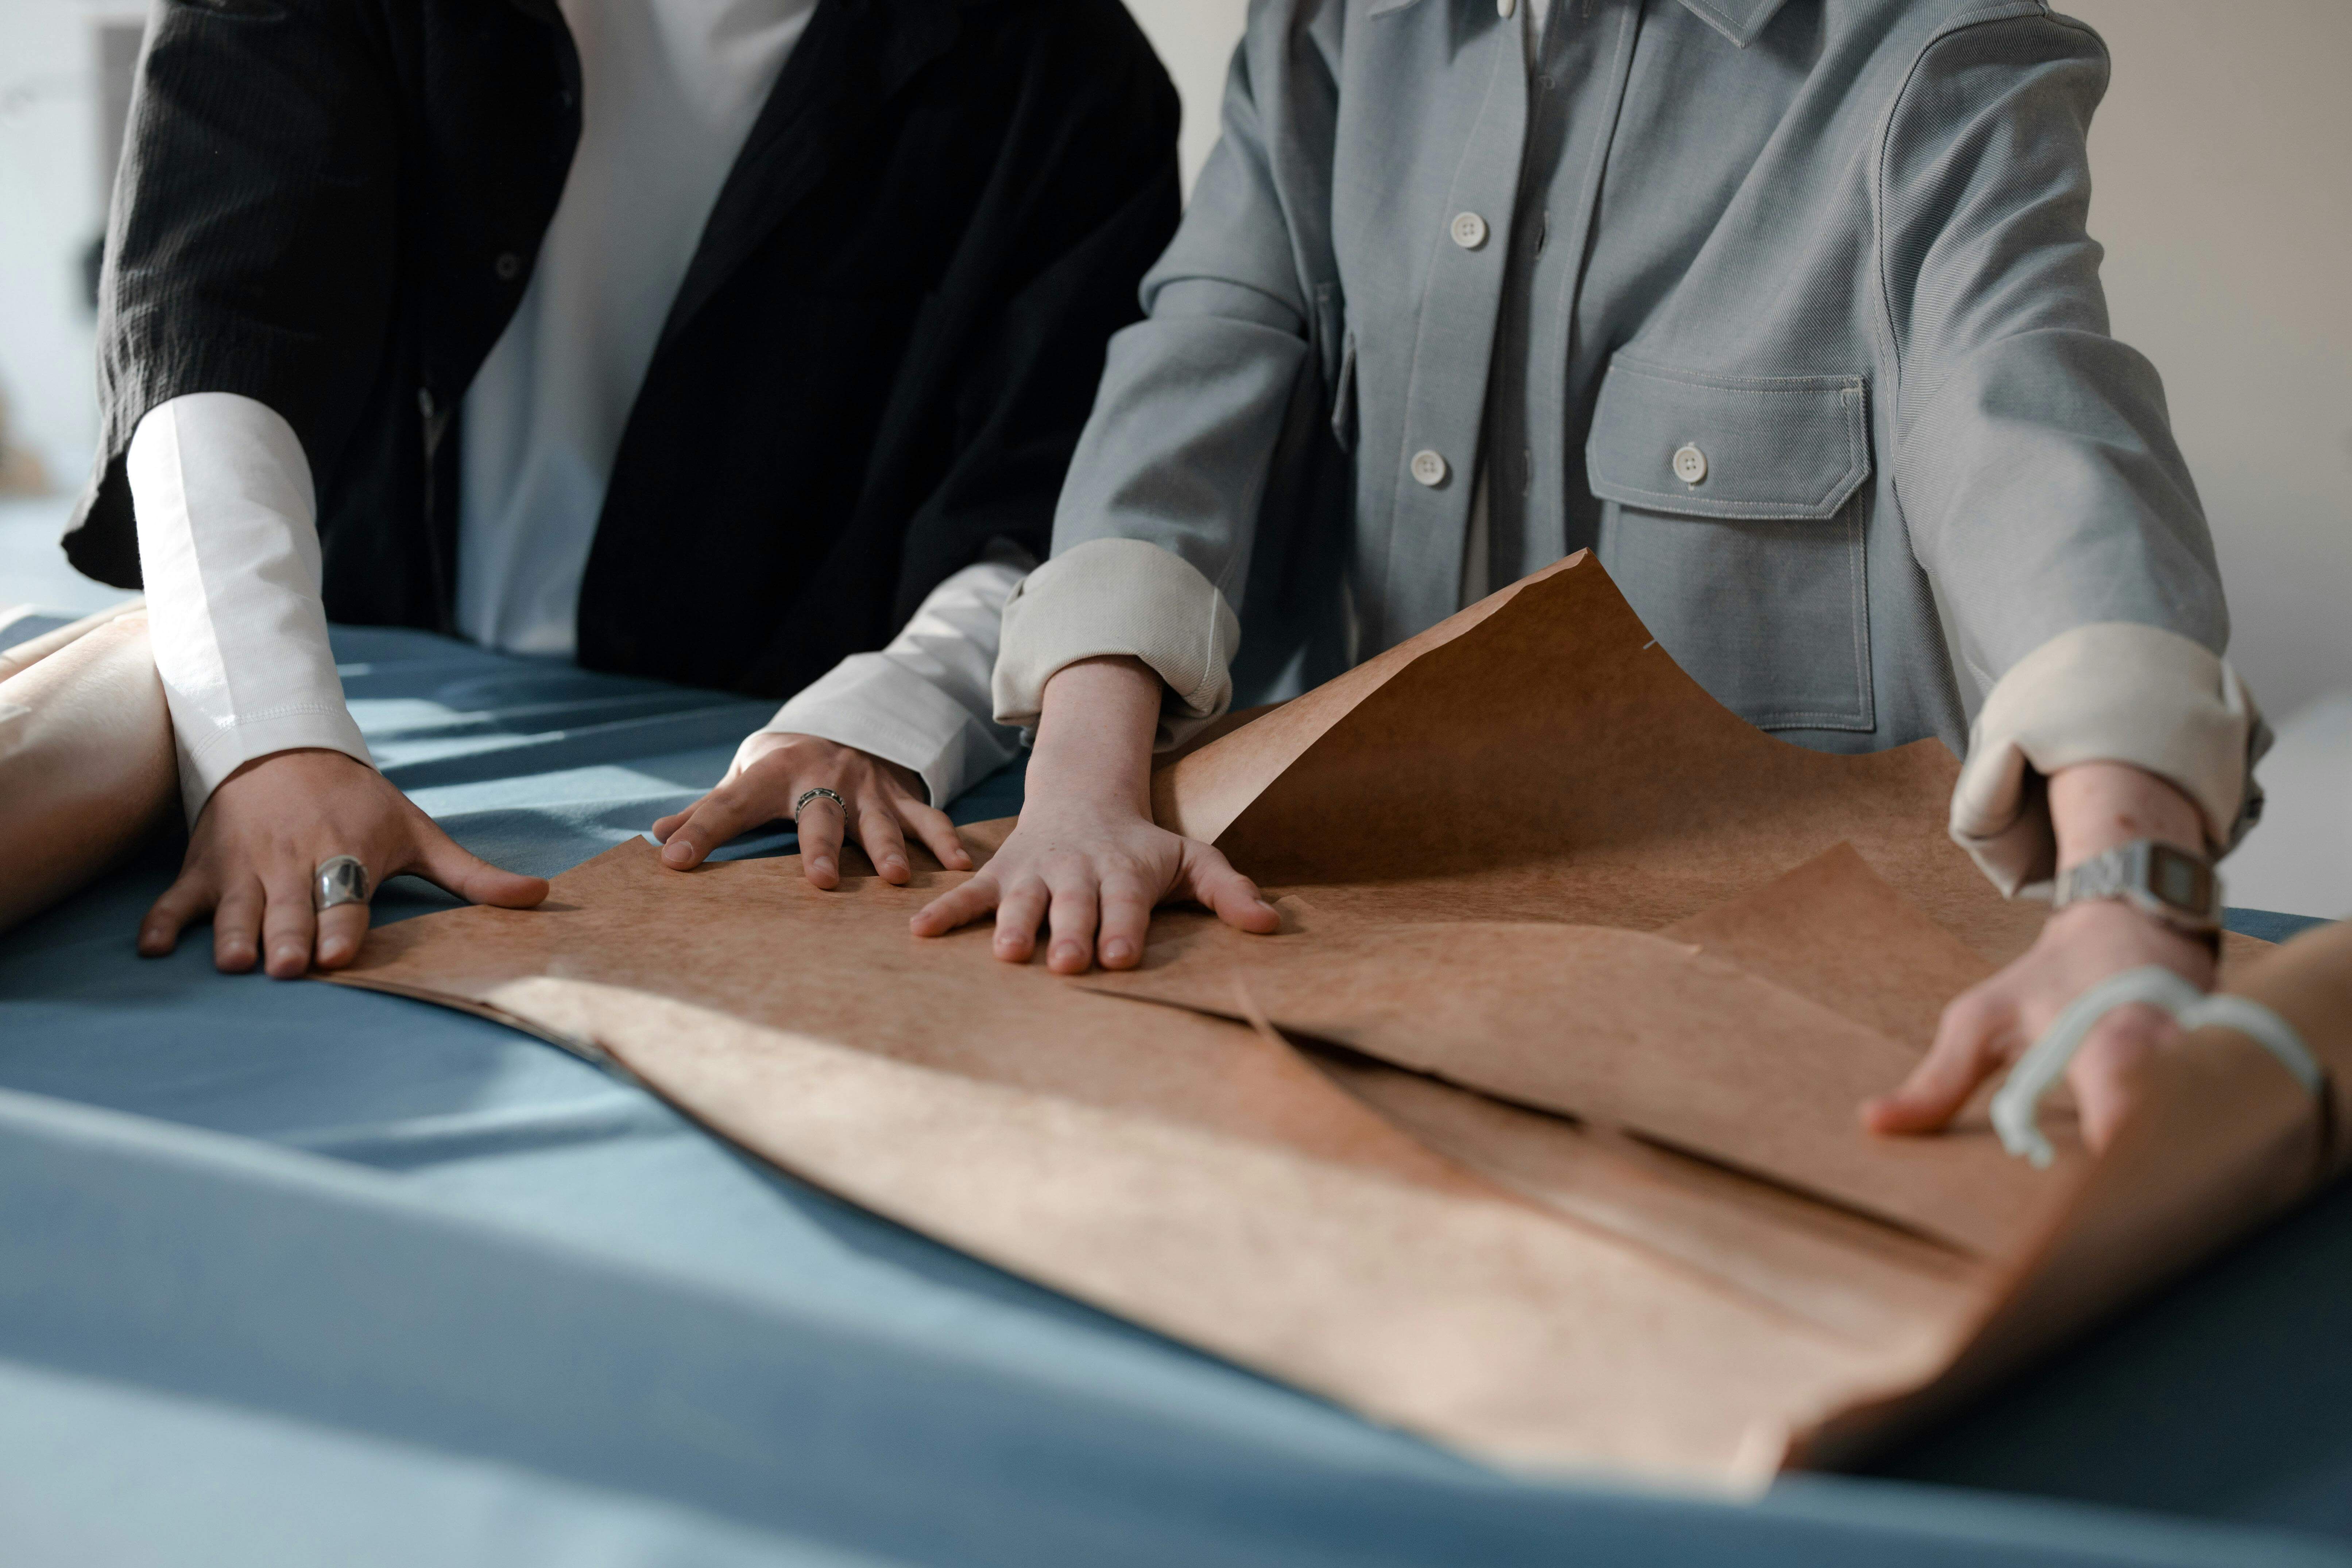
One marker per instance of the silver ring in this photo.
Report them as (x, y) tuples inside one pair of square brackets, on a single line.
[(809, 795), (340, 879)]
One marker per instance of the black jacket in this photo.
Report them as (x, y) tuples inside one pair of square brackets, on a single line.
[(879, 359)]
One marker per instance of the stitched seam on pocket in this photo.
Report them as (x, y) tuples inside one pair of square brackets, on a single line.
[(1864, 716), (1694, 505), (1857, 552), (1808, 721), (1780, 384)]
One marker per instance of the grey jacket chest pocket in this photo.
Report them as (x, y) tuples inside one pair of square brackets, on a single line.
[(1734, 520)]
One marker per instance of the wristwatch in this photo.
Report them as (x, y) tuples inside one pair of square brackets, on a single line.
[(2173, 885)]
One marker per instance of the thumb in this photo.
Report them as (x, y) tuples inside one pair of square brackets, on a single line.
[(440, 861), (1212, 880), (1967, 1049)]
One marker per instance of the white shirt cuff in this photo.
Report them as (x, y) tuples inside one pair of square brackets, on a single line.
[(1120, 597), (228, 545), (2118, 693), (923, 701)]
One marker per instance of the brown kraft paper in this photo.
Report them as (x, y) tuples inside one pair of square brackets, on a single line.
[(1535, 1131)]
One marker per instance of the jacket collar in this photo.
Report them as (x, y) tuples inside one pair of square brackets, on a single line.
[(1739, 20)]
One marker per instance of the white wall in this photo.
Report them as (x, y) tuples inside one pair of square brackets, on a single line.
[(1195, 40), (49, 197), (2221, 190)]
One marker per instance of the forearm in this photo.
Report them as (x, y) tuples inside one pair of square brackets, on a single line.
[(2095, 807), (230, 552), (1094, 735), (1155, 525), (1158, 515)]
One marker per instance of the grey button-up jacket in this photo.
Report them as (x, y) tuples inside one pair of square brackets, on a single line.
[(1800, 326)]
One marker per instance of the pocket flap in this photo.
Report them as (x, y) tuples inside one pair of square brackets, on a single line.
[(1758, 447)]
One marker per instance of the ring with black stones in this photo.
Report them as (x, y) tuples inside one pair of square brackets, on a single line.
[(809, 795), (338, 880)]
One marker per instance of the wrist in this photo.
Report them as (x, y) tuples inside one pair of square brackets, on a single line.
[(324, 760), (1084, 787), (2114, 924), (1095, 732), (2098, 807)]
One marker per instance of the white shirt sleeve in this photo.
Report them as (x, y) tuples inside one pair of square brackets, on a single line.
[(228, 545), (924, 701)]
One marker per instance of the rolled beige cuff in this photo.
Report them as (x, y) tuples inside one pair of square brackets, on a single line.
[(1119, 596), (2114, 693)]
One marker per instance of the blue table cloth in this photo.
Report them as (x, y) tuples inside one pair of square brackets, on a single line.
[(296, 1274)]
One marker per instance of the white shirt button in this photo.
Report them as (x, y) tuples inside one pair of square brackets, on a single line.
[(1469, 230), (1428, 467), (1690, 463)]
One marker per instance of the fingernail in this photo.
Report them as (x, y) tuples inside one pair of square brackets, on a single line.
[(1118, 950), (1064, 951), (821, 866), (676, 852)]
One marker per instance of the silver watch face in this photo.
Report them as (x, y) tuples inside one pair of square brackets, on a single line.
[(2173, 885), (2182, 880)]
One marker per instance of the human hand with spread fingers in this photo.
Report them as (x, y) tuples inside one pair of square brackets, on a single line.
[(2095, 808), (257, 849), (1086, 861), (836, 793)]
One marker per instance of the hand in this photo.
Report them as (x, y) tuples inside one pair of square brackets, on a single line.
[(1086, 856), (1989, 1025), (255, 852), (772, 772), (2093, 805), (1091, 866)]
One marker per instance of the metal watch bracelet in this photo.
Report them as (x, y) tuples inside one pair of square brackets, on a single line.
[(2163, 880)]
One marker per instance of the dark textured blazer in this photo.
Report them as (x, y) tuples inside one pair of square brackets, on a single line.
[(879, 359)]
